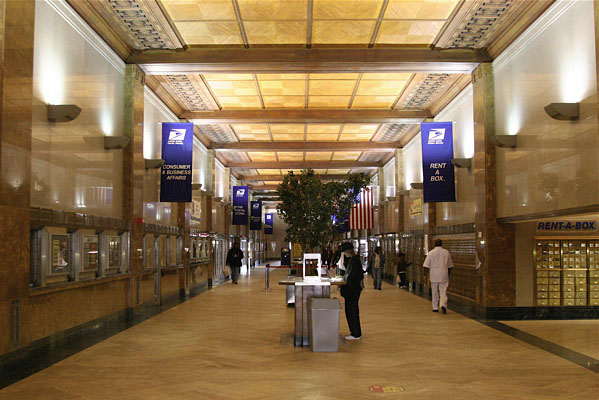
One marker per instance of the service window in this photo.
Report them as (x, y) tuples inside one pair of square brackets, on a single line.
[(90, 253), (60, 261), (55, 256), (149, 261), (114, 252)]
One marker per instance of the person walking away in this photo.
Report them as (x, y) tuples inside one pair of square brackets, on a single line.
[(402, 267), (352, 289), (234, 259), (439, 263), (376, 264)]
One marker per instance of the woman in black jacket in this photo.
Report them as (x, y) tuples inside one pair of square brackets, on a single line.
[(352, 289)]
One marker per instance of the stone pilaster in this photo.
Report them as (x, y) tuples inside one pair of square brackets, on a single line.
[(496, 283), (133, 173), (400, 185), (16, 87)]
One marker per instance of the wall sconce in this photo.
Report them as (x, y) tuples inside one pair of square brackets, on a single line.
[(115, 142), (417, 185), (63, 112), (153, 163), (462, 162), (507, 141), (196, 186), (403, 192), (563, 111)]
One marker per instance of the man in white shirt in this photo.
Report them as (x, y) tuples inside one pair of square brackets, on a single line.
[(438, 261)]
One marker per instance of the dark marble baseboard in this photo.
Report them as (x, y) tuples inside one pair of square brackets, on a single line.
[(45, 352), (476, 311)]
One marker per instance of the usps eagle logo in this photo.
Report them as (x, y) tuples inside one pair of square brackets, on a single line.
[(256, 205), (176, 136), (240, 193), (436, 136)]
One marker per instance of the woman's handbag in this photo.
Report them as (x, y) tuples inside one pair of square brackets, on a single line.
[(398, 279), (227, 270)]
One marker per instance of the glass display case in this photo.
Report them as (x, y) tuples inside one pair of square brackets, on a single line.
[(565, 271)]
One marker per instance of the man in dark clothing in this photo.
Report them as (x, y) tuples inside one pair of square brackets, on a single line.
[(352, 289), (234, 259), (402, 266)]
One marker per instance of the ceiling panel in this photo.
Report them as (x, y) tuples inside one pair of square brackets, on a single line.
[(253, 136), (319, 156), (322, 137), (269, 171), (282, 87), (323, 128), (360, 128), (337, 171), (262, 156), (229, 77), (264, 10), (240, 102), (278, 77), (380, 87), (328, 101), (358, 137), (346, 155), (291, 156), (233, 88), (284, 101), (276, 32), (373, 101), (408, 32), (287, 137), (199, 10), (342, 32), (209, 33), (347, 9), (287, 128), (250, 128), (332, 87), (328, 76), (273, 182), (420, 9)]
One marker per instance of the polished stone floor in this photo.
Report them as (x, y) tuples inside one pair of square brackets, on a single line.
[(226, 344)]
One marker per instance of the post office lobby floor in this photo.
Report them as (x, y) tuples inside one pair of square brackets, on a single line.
[(226, 344)]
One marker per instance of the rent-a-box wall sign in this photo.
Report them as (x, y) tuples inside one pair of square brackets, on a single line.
[(240, 205), (437, 169), (177, 153), (567, 226)]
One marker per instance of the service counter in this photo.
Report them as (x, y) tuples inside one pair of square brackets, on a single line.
[(304, 289)]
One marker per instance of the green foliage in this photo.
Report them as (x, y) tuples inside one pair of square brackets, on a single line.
[(307, 204)]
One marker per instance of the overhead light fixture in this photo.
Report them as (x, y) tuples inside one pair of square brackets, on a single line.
[(462, 162), (403, 192), (563, 111), (153, 163), (116, 142), (507, 141), (417, 185), (63, 112)]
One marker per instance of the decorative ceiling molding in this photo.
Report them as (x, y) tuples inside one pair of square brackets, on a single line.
[(479, 24), (219, 134), (192, 92), (391, 132), (370, 156), (424, 92), (143, 22)]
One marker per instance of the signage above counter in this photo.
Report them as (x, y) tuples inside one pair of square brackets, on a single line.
[(567, 226)]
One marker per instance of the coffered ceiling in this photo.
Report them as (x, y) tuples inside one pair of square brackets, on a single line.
[(336, 85)]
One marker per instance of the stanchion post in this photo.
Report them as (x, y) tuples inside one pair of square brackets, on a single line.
[(266, 278)]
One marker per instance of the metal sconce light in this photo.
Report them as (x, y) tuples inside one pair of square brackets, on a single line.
[(403, 192), (153, 163), (63, 112), (507, 141), (563, 111), (115, 142), (417, 185), (196, 186), (462, 162)]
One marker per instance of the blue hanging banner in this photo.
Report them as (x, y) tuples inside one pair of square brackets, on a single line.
[(268, 223), (177, 153), (240, 205), (437, 152), (255, 215)]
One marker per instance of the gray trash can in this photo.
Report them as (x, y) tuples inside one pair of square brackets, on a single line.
[(323, 324)]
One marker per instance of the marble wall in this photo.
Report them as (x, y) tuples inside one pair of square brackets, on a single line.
[(71, 170), (554, 166)]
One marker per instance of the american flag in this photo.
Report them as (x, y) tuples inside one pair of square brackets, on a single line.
[(362, 214)]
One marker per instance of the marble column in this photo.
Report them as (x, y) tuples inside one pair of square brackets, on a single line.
[(496, 282), (17, 19), (183, 219), (399, 185), (133, 174), (596, 8)]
